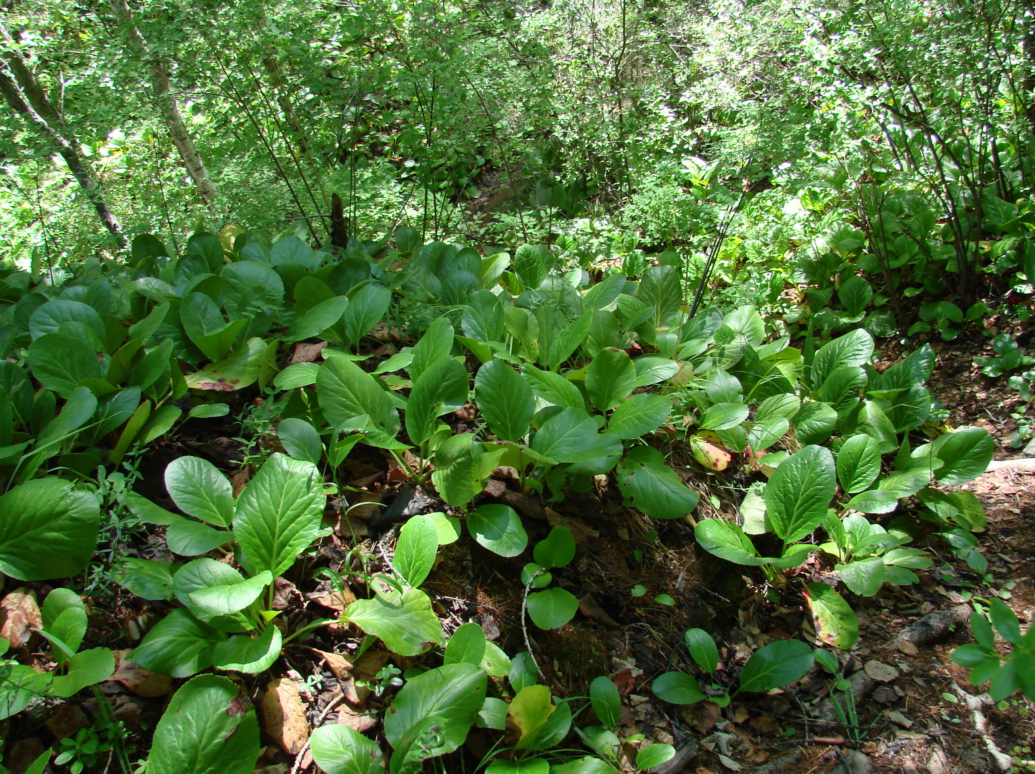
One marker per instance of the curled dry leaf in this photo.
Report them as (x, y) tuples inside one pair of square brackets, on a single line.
[(284, 716), (357, 721), (19, 613)]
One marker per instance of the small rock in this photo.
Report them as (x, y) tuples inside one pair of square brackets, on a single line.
[(853, 762), (882, 673), (899, 719), (885, 694)]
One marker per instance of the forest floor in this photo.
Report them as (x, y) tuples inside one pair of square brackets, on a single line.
[(911, 701)]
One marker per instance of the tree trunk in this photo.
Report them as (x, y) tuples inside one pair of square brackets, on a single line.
[(167, 106), (66, 146), (283, 98)]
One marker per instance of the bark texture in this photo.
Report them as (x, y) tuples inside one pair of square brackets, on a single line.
[(167, 105), (16, 91)]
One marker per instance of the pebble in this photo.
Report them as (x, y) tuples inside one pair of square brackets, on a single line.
[(882, 673)]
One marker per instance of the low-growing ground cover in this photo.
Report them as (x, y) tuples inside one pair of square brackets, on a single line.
[(417, 507)]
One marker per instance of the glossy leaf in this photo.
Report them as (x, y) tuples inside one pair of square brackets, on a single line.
[(208, 728), (836, 623), (651, 486), (505, 400), (778, 664), (200, 490), (416, 549), (799, 493), (279, 514)]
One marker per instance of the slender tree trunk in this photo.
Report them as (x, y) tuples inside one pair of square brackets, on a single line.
[(167, 105), (16, 98), (283, 97)]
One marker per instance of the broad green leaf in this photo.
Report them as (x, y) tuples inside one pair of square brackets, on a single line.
[(498, 528), (858, 463), (727, 541), (653, 370), (300, 439), (571, 435), (202, 574), (965, 454), (567, 340), (783, 406), (836, 623), (557, 549), (776, 665), (466, 646), (453, 694), (610, 378), (146, 578), (746, 322), (179, 645), (678, 688), (814, 423), (208, 728), (662, 291), (454, 474), (863, 576), (482, 319), (505, 400), (702, 649), (441, 388), (416, 549), (553, 388), (347, 392), (338, 749), (842, 388), (654, 754), (855, 295), (279, 514), (318, 318), (297, 375), (84, 669), (48, 513), (187, 537), (22, 685), (227, 598), (404, 622), (552, 608), (365, 310), (434, 345), (61, 363), (799, 493), (1005, 621), (529, 711), (64, 616), (639, 415), (247, 654), (79, 408), (607, 704), (874, 501), (652, 487), (200, 490), (49, 318), (723, 416), (239, 370), (530, 766), (852, 349)]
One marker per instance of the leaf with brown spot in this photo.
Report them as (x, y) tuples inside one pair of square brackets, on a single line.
[(709, 455), (284, 716), (19, 613)]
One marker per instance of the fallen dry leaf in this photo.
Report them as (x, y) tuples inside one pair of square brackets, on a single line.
[(139, 680), (340, 666), (284, 716), (67, 721), (357, 721), (19, 613), (307, 353)]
